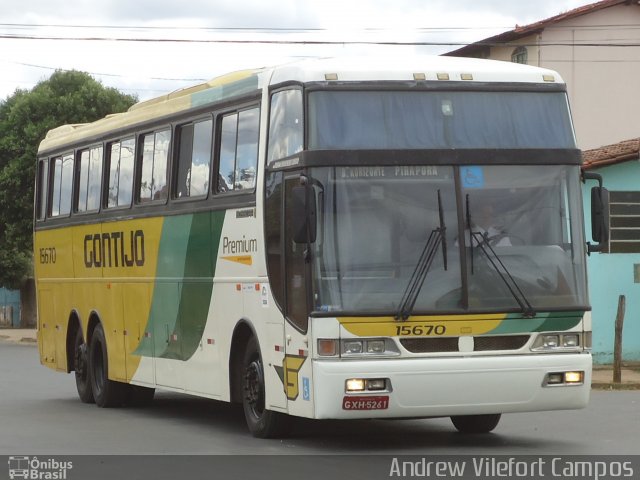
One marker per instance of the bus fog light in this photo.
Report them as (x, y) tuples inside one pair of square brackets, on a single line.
[(376, 384), (375, 346), (551, 341), (555, 379), (574, 377), (327, 347), (570, 341), (355, 385), (352, 346)]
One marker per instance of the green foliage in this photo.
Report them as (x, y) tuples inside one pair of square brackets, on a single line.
[(67, 97)]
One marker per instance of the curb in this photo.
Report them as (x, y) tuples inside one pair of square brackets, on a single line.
[(615, 386), (18, 341)]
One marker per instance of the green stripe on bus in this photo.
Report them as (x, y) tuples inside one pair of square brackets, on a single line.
[(184, 285), (542, 322)]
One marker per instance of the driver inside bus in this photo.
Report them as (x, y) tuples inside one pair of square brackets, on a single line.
[(485, 222)]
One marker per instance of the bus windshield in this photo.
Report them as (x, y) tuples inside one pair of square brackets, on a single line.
[(438, 119), (506, 226)]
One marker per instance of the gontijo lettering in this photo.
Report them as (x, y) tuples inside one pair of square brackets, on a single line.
[(114, 249)]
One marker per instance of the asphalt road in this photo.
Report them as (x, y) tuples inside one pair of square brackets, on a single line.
[(41, 414)]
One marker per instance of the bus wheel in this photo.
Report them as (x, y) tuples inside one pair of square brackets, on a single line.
[(476, 423), (106, 393), (262, 423), (81, 367)]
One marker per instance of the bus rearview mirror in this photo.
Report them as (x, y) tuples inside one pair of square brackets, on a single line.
[(599, 218), (303, 214)]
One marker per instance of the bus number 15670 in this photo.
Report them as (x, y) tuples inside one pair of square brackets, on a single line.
[(420, 330)]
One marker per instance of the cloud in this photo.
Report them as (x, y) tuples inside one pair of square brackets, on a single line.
[(139, 67)]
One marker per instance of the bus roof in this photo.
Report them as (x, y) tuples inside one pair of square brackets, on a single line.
[(344, 69)]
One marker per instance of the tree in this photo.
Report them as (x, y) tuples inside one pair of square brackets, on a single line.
[(67, 97)]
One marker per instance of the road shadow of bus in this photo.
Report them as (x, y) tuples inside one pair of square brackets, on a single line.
[(345, 436)]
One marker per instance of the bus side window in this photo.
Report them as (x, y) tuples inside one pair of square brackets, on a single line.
[(194, 159), (238, 157), (89, 180), (62, 183), (154, 156), (285, 124), (42, 189), (121, 155)]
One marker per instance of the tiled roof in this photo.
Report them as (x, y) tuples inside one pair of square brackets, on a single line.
[(525, 30), (609, 154)]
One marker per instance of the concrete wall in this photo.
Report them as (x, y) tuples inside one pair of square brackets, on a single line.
[(612, 275), (9, 308)]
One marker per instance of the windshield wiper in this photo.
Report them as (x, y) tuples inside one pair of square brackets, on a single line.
[(437, 237), (482, 241)]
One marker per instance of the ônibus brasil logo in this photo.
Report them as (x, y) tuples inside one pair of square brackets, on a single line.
[(38, 469)]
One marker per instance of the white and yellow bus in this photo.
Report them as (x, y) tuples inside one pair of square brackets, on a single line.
[(312, 240)]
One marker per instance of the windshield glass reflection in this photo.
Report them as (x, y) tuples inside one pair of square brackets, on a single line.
[(374, 224)]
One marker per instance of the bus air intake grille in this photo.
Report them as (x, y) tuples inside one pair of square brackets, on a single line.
[(481, 344), (430, 345), (506, 342)]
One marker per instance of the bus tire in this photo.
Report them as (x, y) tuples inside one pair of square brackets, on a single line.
[(81, 368), (106, 393), (476, 423), (262, 423)]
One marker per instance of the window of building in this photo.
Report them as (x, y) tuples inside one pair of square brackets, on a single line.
[(121, 156), (520, 55), (89, 179), (153, 177), (624, 209), (62, 185), (194, 159), (239, 151)]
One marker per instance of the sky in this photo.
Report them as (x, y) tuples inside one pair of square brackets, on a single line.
[(152, 47)]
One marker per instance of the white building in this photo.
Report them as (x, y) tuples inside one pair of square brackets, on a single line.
[(596, 49)]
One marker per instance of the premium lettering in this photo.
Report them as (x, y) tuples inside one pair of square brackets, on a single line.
[(114, 249), (239, 246)]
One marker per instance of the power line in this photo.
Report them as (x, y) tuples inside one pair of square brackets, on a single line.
[(292, 29), (314, 42), (44, 67), (244, 29)]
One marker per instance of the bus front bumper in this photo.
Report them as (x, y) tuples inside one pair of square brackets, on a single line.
[(435, 387)]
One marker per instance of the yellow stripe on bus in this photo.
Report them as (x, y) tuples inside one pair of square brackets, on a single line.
[(432, 325)]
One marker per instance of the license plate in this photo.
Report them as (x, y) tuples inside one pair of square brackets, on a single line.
[(365, 403)]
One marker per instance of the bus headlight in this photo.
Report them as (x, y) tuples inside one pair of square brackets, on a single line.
[(352, 347), (357, 347), (569, 341), (375, 346), (548, 342), (368, 347)]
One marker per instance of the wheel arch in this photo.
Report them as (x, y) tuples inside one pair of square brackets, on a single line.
[(73, 325), (242, 332), (94, 321)]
